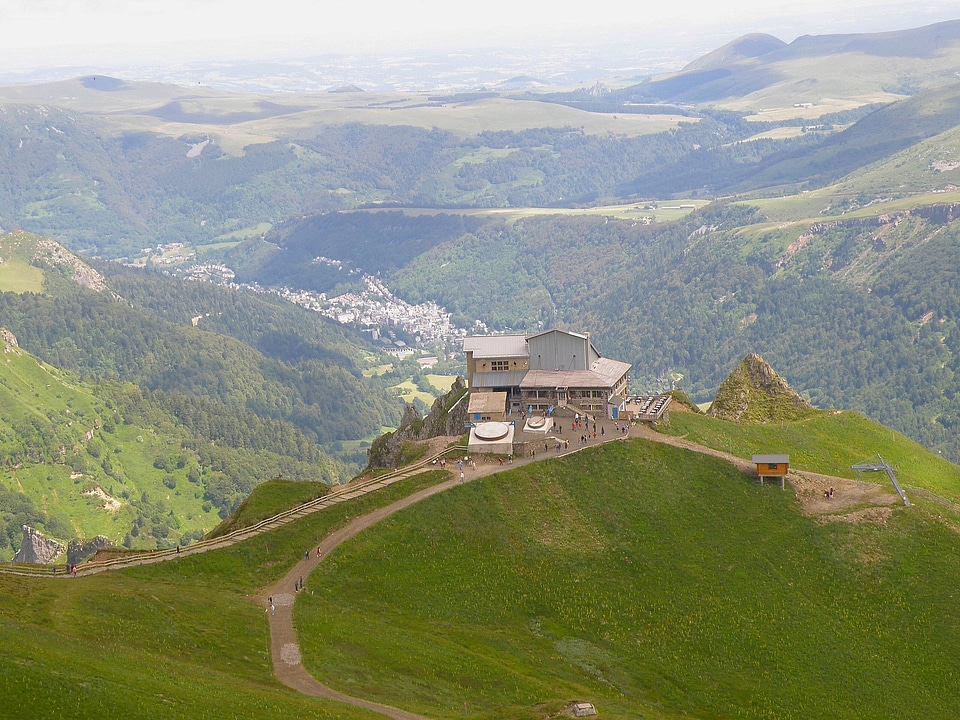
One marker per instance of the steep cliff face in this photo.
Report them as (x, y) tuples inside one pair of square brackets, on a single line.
[(447, 416), (35, 548), (755, 393), (80, 550), (9, 340)]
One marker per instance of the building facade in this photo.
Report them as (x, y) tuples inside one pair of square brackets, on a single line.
[(542, 372)]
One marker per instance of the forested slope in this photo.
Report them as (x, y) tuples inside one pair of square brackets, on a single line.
[(147, 405), (857, 313)]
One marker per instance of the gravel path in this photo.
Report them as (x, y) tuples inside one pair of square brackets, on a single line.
[(284, 650)]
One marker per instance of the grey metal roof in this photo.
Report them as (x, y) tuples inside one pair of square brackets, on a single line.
[(496, 346), (510, 378), (610, 370), (563, 379), (771, 459)]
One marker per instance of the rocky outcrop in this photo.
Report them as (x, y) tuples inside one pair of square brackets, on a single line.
[(57, 255), (35, 548), (9, 341), (80, 550), (755, 393), (447, 416)]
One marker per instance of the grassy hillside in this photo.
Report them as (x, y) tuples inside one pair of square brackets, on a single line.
[(827, 442), (880, 135), (73, 468), (650, 581), (175, 640), (147, 429)]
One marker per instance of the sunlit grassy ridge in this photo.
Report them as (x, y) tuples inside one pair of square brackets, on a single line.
[(269, 499), (828, 442), (652, 581), (181, 639)]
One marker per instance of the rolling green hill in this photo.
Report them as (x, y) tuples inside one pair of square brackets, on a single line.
[(650, 580), (145, 428), (182, 639), (650, 583), (760, 71)]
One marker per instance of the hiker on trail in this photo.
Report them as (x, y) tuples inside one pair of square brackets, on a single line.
[(273, 609), (318, 552), (306, 555), (461, 476)]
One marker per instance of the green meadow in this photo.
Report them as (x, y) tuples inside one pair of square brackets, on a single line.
[(828, 442), (649, 580), (20, 277), (183, 639), (652, 581)]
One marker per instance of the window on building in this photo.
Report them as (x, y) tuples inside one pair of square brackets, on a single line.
[(499, 365), (773, 466)]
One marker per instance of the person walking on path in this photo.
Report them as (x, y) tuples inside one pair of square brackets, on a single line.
[(461, 476)]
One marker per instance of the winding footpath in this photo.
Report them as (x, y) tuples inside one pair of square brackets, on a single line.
[(283, 639), (284, 649)]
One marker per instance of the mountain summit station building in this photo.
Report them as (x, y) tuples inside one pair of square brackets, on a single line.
[(540, 373)]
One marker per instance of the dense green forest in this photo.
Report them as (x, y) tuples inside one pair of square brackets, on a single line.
[(145, 469), (110, 195), (157, 387), (317, 389), (841, 317)]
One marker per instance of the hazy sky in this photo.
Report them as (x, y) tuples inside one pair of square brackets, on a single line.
[(50, 32)]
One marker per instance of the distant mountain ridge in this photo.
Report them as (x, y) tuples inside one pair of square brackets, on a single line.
[(757, 62)]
